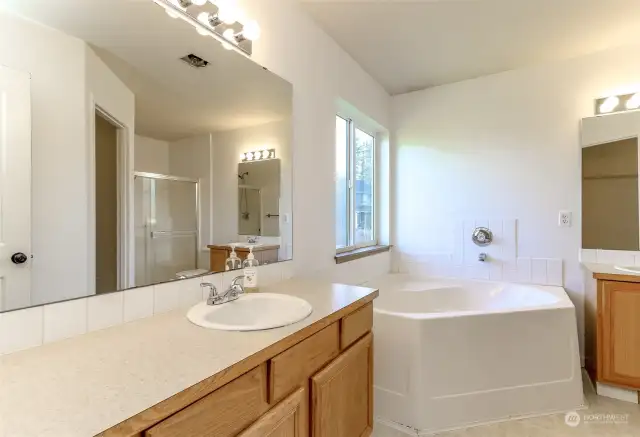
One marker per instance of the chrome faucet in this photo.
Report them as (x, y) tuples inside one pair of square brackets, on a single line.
[(233, 293)]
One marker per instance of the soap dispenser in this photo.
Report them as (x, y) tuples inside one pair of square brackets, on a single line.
[(233, 262), (250, 266)]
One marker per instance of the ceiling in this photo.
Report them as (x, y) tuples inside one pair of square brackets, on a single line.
[(142, 45), (411, 45)]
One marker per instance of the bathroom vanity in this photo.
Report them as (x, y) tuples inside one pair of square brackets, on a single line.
[(164, 376), (613, 330)]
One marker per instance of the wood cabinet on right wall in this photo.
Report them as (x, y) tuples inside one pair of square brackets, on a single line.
[(618, 339)]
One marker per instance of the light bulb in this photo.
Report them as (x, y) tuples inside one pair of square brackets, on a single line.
[(250, 156), (265, 154), (201, 31), (230, 35), (634, 102), (172, 13), (228, 13), (609, 104), (227, 46), (203, 17), (199, 2), (243, 156), (251, 30)]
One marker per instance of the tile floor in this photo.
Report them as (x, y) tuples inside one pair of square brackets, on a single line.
[(554, 425)]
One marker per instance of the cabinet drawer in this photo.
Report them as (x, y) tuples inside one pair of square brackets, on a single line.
[(223, 413), (356, 325), (289, 369)]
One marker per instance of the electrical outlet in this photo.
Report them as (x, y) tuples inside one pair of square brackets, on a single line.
[(564, 219)]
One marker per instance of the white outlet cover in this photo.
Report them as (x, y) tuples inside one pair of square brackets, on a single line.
[(564, 219)]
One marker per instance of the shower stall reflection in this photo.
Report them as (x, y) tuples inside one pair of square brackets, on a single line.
[(166, 228)]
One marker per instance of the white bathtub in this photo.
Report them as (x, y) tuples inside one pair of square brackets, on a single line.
[(454, 353)]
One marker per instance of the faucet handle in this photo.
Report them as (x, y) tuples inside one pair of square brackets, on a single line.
[(213, 292), (236, 286)]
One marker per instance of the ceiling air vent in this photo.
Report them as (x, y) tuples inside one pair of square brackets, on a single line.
[(195, 61)]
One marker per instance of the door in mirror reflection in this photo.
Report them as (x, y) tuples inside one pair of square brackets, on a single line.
[(166, 228), (15, 196), (610, 196)]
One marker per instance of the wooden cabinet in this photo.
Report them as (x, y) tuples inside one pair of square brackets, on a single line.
[(287, 419), (619, 333), (223, 413), (342, 394)]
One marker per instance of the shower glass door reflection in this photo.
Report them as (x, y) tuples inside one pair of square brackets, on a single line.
[(166, 227)]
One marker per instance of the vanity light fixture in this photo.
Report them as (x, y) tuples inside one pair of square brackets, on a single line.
[(220, 19), (620, 103), (259, 155)]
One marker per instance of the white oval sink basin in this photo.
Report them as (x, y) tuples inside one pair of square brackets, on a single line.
[(251, 312), (635, 270)]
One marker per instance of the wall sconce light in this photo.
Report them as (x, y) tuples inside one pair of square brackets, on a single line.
[(258, 155), (220, 19), (621, 103)]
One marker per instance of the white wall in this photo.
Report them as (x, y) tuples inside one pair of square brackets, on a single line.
[(505, 146), (151, 155), (294, 47)]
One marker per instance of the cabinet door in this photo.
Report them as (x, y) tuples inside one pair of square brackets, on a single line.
[(619, 333), (287, 419), (223, 413), (342, 394)]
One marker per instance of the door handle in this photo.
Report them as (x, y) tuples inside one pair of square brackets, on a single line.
[(19, 258)]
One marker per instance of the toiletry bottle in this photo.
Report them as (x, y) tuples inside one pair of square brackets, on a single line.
[(250, 266), (233, 262)]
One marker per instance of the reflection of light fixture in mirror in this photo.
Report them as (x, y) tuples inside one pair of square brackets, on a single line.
[(619, 103), (633, 102), (609, 104), (226, 16), (258, 155)]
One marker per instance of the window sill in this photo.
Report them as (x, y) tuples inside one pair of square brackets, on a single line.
[(363, 252)]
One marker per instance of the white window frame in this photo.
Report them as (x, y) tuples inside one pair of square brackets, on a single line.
[(351, 218)]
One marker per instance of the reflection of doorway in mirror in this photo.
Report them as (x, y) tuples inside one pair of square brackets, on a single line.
[(249, 210), (110, 151), (106, 196), (15, 172)]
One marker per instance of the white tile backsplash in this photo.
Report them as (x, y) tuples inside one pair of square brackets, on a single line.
[(138, 303), (190, 292), (539, 271), (105, 311), (503, 262), (21, 329), (65, 319), (27, 328), (166, 297)]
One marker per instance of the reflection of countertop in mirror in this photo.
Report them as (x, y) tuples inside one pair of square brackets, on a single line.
[(610, 269), (85, 385)]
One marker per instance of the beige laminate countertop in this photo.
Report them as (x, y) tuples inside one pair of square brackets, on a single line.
[(609, 269), (87, 384)]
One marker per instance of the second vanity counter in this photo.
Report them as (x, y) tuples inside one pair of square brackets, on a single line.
[(88, 384)]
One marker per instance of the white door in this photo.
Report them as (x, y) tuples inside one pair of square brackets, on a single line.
[(15, 189)]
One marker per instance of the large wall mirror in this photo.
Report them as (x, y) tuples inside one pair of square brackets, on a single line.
[(134, 151), (610, 207)]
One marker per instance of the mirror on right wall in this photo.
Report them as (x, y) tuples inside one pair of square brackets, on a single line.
[(610, 205)]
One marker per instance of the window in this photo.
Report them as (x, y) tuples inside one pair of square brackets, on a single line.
[(355, 186)]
